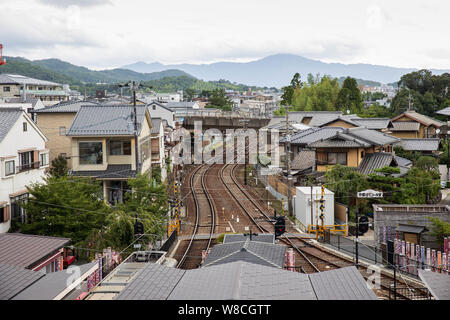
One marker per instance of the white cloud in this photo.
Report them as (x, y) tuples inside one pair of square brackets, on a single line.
[(114, 32)]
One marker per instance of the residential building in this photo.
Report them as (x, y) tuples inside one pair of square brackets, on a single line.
[(14, 85), (103, 146), (423, 146), (159, 110), (54, 121), (157, 146), (411, 124), (162, 97), (23, 160), (337, 145), (28, 104)]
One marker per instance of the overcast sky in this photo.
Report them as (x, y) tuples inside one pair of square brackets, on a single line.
[(112, 33)]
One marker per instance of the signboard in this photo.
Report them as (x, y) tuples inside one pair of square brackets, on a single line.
[(369, 193)]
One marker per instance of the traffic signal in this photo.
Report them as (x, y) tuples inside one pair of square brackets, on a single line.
[(280, 226), (138, 228), (363, 224)]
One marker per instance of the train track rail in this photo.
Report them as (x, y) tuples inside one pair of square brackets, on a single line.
[(186, 260)]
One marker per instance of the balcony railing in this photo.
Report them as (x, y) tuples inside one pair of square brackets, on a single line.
[(28, 166)]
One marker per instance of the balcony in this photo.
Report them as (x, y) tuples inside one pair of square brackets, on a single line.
[(28, 166)]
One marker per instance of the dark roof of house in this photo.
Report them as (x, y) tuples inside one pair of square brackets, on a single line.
[(19, 79), (419, 144), (28, 99), (268, 238), (100, 120), (437, 283), (410, 228), (373, 123), (15, 279), (160, 105), (403, 162), (405, 126), (304, 160), (241, 280), (318, 118), (8, 117), (52, 284), (66, 107), (118, 171), (378, 160), (257, 252), (23, 250)]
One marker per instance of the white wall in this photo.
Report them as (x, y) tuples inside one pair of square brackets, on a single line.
[(157, 111), (16, 140), (303, 205)]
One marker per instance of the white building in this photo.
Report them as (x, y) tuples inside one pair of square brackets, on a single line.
[(162, 97), (23, 160), (158, 110), (29, 104), (157, 145), (303, 202)]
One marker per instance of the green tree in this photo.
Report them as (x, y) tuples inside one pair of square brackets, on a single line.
[(317, 95), (218, 99), (349, 97), (288, 92), (190, 94), (439, 229), (58, 167), (64, 207), (345, 182)]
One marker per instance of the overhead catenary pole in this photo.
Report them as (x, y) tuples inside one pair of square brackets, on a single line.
[(133, 88), (288, 163)]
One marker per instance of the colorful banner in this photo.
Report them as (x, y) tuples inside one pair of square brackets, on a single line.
[(428, 258), (444, 263), (389, 233), (407, 256), (439, 261), (422, 255), (384, 234), (433, 260), (418, 256)]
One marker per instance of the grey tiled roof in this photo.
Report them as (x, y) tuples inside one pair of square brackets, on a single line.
[(28, 99), (23, 250), (372, 136), (244, 281), (19, 79), (66, 106), (341, 284), (405, 126), (318, 118), (445, 111), (181, 104), (421, 118), (52, 284), (304, 160), (373, 123), (403, 162), (106, 120), (268, 238), (437, 283), (8, 117), (154, 282), (118, 171), (378, 160), (410, 228), (267, 254), (15, 279), (419, 144)]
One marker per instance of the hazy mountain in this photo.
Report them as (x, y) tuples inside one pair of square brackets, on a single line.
[(277, 70), (65, 72)]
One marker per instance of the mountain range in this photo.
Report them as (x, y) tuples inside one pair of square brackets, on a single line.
[(277, 70)]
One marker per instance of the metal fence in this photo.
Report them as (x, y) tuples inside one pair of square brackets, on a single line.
[(170, 241), (404, 292)]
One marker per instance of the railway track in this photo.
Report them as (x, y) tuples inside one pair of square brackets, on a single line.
[(189, 261)]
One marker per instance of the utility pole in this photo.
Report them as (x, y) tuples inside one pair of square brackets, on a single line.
[(357, 239), (133, 88), (245, 122), (288, 162)]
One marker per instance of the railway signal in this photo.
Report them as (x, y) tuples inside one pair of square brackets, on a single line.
[(280, 226), (363, 225)]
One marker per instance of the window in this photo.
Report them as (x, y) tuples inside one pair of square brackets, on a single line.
[(25, 127), (154, 107), (44, 159), (62, 131), (337, 158), (40, 88), (9, 168), (362, 154), (118, 148), (306, 120), (26, 160), (91, 152), (6, 89), (17, 212)]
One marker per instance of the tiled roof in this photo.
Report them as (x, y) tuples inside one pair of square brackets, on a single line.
[(372, 136), (304, 160), (405, 126), (156, 123), (15, 279), (8, 117), (181, 104), (318, 118), (421, 118), (244, 281), (419, 144), (23, 250), (445, 111), (118, 171), (268, 238), (28, 99), (19, 79), (403, 162), (437, 283), (52, 284), (267, 254), (66, 106), (106, 120), (373, 123), (378, 160)]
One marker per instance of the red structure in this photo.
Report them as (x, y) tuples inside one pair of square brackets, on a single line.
[(1, 56)]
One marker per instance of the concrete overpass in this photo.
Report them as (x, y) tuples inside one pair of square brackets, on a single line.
[(221, 121)]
